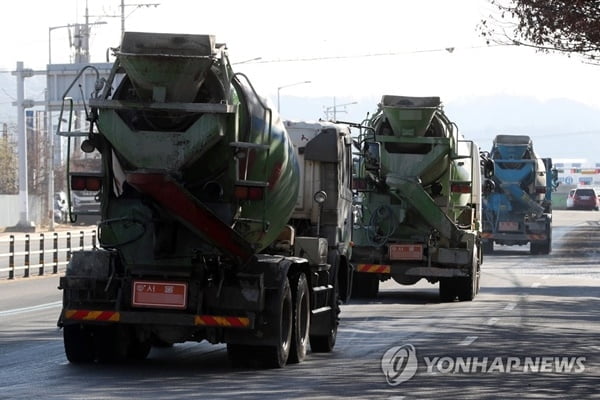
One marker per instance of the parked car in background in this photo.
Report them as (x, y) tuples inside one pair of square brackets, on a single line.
[(570, 198), (61, 210), (583, 199)]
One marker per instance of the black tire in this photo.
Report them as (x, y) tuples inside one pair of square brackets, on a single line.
[(241, 355), (79, 347), (326, 343), (365, 285), (138, 350), (468, 287), (276, 356), (345, 274), (488, 247), (111, 343), (447, 289), (300, 318), (542, 248), (157, 342)]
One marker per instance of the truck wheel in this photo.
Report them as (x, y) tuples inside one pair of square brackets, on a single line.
[(138, 349), (488, 247), (276, 356), (468, 287), (111, 343), (447, 289), (240, 355), (300, 318), (547, 248), (79, 347), (365, 285), (325, 344)]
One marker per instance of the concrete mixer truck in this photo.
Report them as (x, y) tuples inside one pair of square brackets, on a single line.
[(204, 233), (519, 209), (417, 209)]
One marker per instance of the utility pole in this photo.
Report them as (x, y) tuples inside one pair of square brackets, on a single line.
[(334, 109), (123, 5), (24, 224)]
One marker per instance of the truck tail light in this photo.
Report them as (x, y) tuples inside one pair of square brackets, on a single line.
[(540, 189), (249, 192), (86, 182), (359, 184), (460, 188)]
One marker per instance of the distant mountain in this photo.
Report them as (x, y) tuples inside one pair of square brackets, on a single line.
[(559, 128)]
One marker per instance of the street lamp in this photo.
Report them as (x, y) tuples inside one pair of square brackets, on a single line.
[(285, 86), (51, 28)]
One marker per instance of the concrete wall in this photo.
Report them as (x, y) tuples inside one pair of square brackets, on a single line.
[(10, 209)]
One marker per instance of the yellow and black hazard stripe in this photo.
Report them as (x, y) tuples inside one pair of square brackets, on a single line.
[(92, 315), (373, 268), (223, 321)]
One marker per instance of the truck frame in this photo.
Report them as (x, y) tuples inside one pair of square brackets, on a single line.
[(203, 232), (417, 202), (518, 211)]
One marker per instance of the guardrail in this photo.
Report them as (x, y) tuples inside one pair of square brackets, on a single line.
[(53, 250)]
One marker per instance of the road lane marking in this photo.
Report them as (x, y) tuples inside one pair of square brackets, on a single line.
[(510, 306), (29, 309), (468, 341), (492, 321), (535, 284)]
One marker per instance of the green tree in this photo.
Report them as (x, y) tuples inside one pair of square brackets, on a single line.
[(568, 26), (8, 167)]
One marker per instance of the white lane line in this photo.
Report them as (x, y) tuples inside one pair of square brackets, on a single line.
[(510, 306), (29, 309), (545, 277), (492, 321), (535, 284), (468, 340)]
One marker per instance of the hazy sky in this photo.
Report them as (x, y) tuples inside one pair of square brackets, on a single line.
[(341, 37)]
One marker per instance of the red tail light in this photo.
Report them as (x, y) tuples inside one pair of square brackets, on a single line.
[(540, 189), (86, 182), (460, 188), (249, 192), (359, 183)]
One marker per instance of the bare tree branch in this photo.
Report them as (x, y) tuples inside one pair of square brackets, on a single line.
[(567, 26)]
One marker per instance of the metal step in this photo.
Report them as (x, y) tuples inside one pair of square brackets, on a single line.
[(246, 182), (73, 133), (249, 145)]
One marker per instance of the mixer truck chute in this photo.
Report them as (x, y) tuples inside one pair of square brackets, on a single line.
[(417, 202), (203, 231), (519, 209)]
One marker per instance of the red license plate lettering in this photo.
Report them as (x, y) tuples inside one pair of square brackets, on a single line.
[(159, 294), (406, 252)]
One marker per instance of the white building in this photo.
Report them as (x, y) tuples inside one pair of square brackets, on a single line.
[(578, 172)]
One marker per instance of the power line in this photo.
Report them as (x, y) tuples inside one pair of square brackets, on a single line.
[(367, 55)]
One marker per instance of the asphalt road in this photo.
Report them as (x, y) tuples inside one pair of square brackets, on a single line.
[(532, 332)]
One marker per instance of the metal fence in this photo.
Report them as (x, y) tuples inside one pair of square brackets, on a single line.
[(40, 254)]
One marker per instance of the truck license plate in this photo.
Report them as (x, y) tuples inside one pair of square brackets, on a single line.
[(508, 226), (159, 294), (406, 252)]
